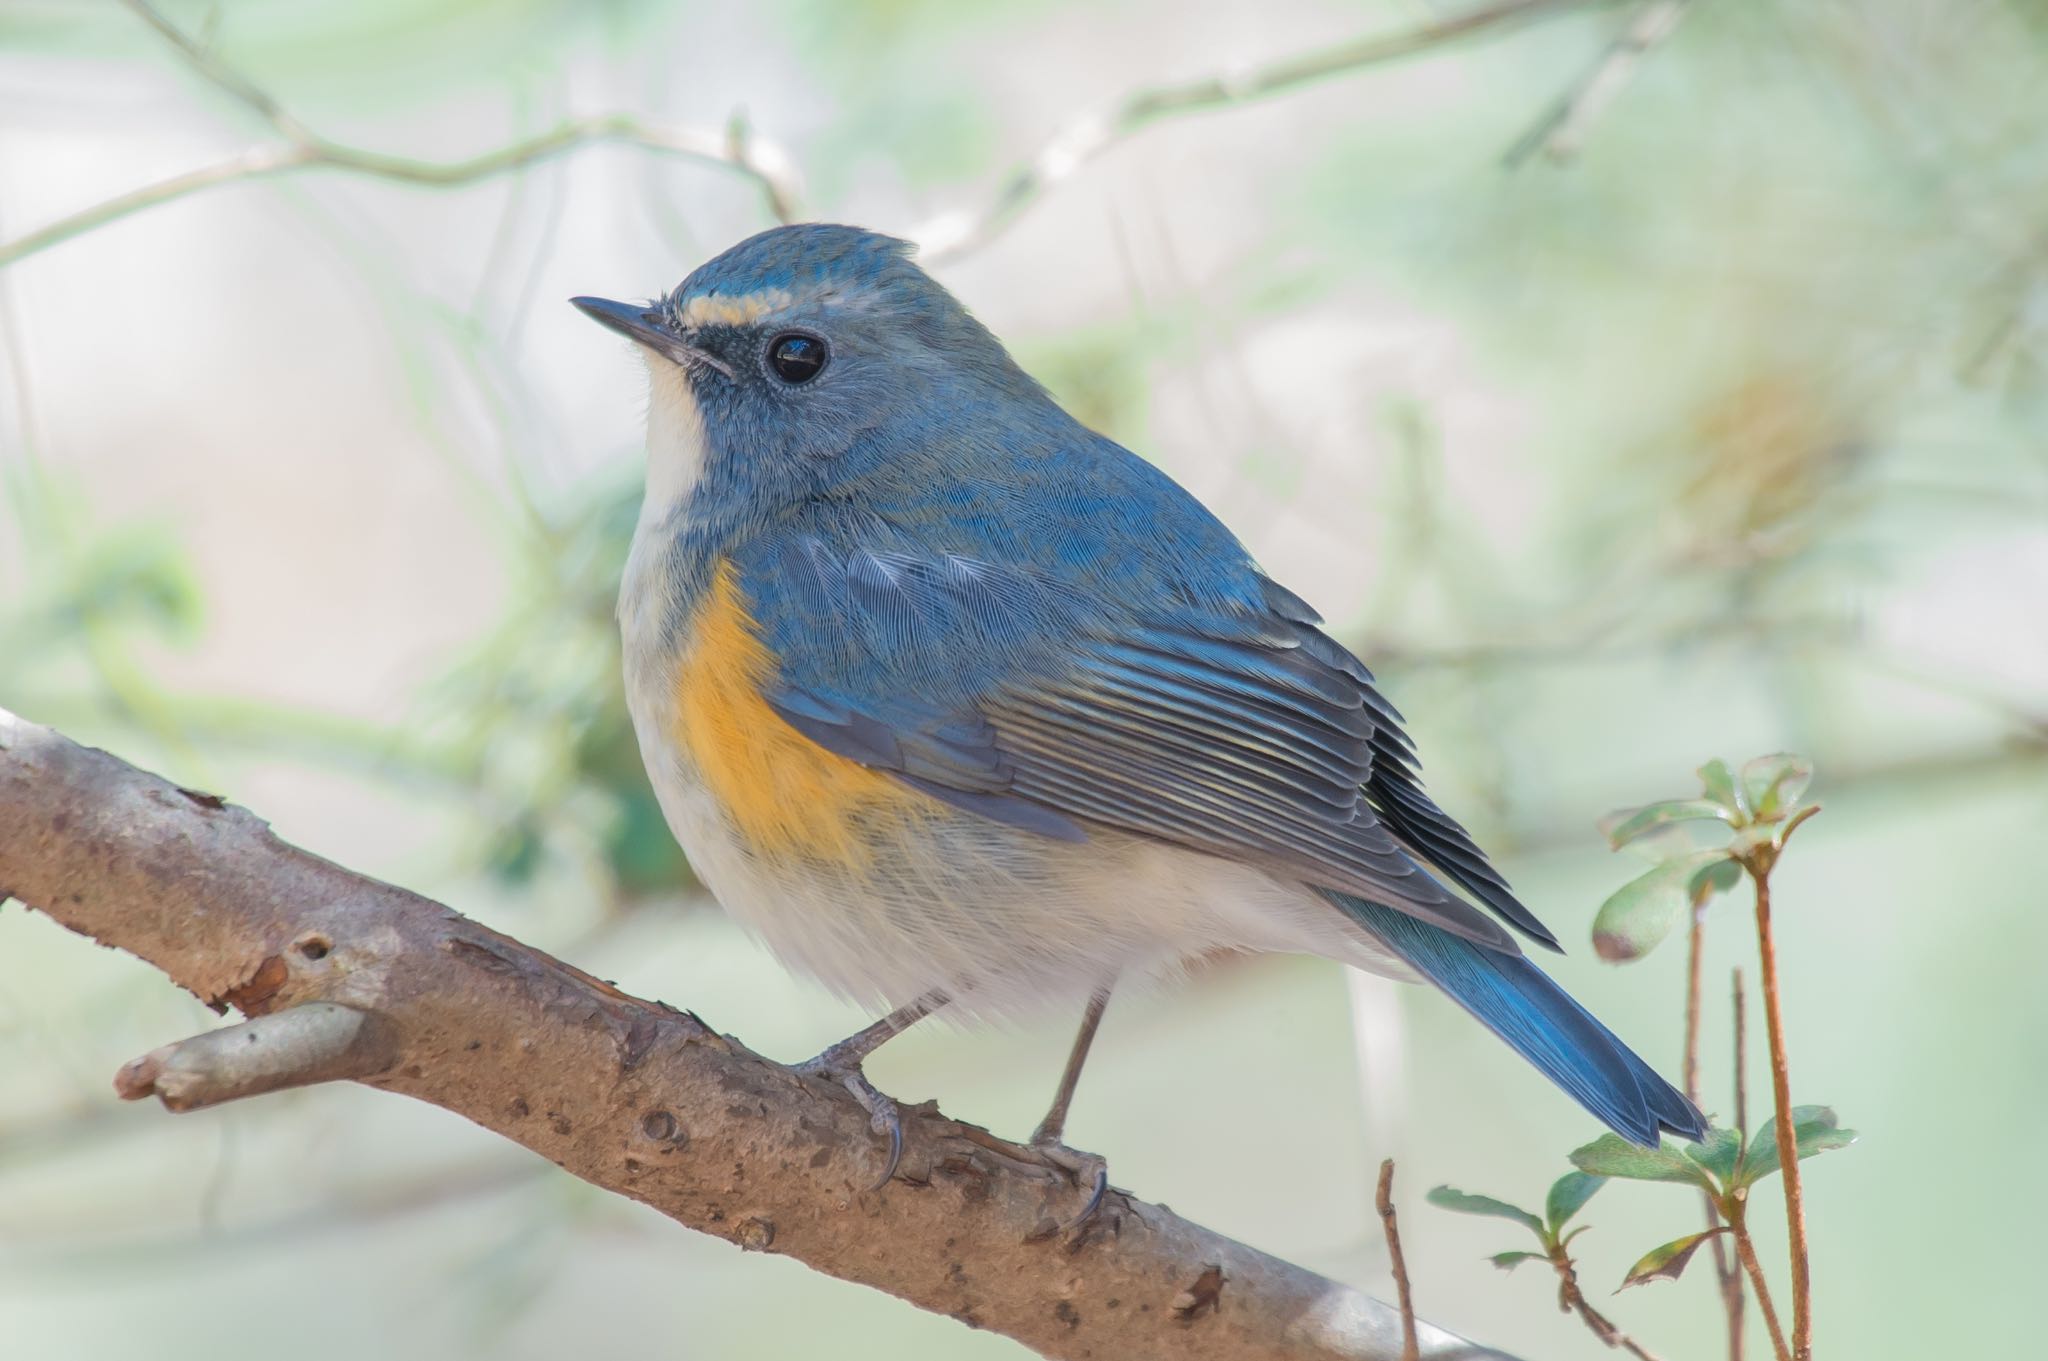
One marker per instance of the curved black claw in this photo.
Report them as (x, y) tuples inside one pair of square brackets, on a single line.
[(1089, 1169), (883, 1116)]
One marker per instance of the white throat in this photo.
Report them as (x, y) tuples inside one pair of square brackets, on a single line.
[(675, 464), (675, 441)]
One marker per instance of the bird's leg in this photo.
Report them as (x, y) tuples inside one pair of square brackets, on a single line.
[(841, 1063), (1085, 1168)]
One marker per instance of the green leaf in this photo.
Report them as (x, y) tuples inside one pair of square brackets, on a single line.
[(1658, 844), (1610, 1155), (1718, 1153), (1568, 1195), (1815, 1130), (1720, 785), (1773, 784), (1464, 1202), (1667, 1263), (1637, 916), (1719, 878), (1508, 1261), (1653, 817)]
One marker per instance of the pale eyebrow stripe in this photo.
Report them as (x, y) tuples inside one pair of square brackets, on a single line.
[(715, 309)]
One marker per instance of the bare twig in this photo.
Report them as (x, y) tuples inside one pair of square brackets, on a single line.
[(1562, 130), (1572, 1300), (640, 1099), (1081, 139), (1781, 1098), (733, 147), (296, 1047), (1383, 1201)]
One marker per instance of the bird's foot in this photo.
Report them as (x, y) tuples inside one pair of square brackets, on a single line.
[(883, 1116), (1089, 1170)]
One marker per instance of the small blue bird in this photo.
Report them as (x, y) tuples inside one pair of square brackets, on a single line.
[(958, 704)]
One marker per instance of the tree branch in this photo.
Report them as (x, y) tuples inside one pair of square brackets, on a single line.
[(344, 977)]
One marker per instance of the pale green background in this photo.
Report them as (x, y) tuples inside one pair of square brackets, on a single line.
[(1726, 438)]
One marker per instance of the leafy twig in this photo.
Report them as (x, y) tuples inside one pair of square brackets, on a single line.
[(1761, 809), (1383, 1201), (300, 148), (1728, 1169), (1562, 130), (1759, 863), (1083, 138), (1567, 1196)]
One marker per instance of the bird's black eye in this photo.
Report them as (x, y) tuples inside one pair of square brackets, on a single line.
[(796, 358)]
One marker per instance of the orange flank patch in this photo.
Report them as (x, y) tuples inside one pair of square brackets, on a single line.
[(784, 794)]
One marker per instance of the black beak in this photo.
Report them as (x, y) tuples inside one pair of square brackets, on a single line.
[(645, 325)]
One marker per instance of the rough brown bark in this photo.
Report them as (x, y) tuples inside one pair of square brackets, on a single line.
[(345, 977)]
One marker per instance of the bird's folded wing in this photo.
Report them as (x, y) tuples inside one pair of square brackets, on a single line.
[(1236, 729)]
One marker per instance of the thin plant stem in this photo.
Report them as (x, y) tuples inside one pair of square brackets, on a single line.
[(1788, 1141), (1741, 1056), (1732, 1293), (1383, 1201), (1738, 1225), (1695, 949), (1727, 1272)]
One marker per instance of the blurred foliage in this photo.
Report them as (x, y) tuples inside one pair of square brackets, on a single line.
[(535, 719)]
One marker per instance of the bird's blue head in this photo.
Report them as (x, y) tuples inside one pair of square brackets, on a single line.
[(807, 358)]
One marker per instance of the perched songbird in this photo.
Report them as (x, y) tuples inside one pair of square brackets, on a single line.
[(956, 703)]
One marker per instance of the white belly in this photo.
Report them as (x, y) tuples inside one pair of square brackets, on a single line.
[(1005, 922)]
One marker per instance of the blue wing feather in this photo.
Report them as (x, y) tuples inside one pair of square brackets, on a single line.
[(1232, 729)]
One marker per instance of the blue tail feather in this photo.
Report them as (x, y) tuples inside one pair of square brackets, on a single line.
[(1519, 1003)]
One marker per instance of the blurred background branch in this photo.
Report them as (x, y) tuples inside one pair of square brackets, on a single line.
[(1072, 146), (1563, 129), (734, 147), (1085, 137)]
